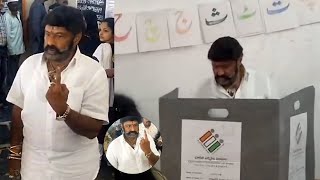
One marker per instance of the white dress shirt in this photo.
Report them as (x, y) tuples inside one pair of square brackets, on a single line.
[(14, 34), (51, 150), (253, 86), (127, 159)]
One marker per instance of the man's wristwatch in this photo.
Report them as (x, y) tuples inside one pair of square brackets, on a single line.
[(64, 115)]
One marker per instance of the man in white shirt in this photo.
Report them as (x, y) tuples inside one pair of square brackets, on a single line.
[(231, 78), (14, 39), (152, 130), (60, 102), (132, 152)]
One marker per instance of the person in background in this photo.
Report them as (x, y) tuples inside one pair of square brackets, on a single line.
[(105, 51), (60, 101), (37, 14), (90, 39), (57, 4), (230, 78), (153, 131), (104, 55), (14, 39), (3, 56), (4, 135)]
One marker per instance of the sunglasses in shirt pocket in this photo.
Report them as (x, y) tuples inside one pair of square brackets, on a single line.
[(75, 98)]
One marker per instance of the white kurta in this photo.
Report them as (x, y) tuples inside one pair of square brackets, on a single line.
[(51, 150), (254, 86), (152, 130), (128, 160), (104, 55)]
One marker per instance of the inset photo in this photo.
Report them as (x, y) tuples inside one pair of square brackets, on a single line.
[(133, 144)]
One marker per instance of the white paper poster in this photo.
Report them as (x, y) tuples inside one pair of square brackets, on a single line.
[(247, 17), (216, 20), (152, 30), (279, 15), (298, 145), (210, 150), (308, 11), (125, 37), (184, 29)]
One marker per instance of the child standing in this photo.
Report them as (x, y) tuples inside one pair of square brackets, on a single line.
[(104, 54)]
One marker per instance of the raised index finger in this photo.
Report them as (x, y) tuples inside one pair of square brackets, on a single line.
[(57, 78), (145, 135)]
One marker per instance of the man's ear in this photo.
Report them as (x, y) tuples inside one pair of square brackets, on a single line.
[(77, 39)]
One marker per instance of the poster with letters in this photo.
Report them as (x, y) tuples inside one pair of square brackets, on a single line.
[(97, 6)]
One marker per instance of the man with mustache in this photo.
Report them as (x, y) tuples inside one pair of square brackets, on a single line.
[(231, 78), (132, 152), (60, 102)]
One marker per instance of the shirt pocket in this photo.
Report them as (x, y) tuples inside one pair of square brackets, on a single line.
[(75, 98)]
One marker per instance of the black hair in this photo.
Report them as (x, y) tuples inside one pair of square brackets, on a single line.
[(131, 118), (67, 17), (123, 106), (91, 20), (225, 49), (53, 6), (110, 23)]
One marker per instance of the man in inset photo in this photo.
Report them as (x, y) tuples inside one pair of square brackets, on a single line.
[(132, 152)]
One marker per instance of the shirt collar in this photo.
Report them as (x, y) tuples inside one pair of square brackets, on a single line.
[(18, 13)]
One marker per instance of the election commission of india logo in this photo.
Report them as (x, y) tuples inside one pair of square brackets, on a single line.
[(211, 141)]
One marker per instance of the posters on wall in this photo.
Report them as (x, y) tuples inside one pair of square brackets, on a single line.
[(236, 18), (210, 149), (308, 11), (279, 15), (184, 29), (216, 20), (125, 37), (152, 31), (298, 146), (247, 17)]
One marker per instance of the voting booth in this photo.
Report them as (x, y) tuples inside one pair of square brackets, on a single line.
[(238, 139)]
